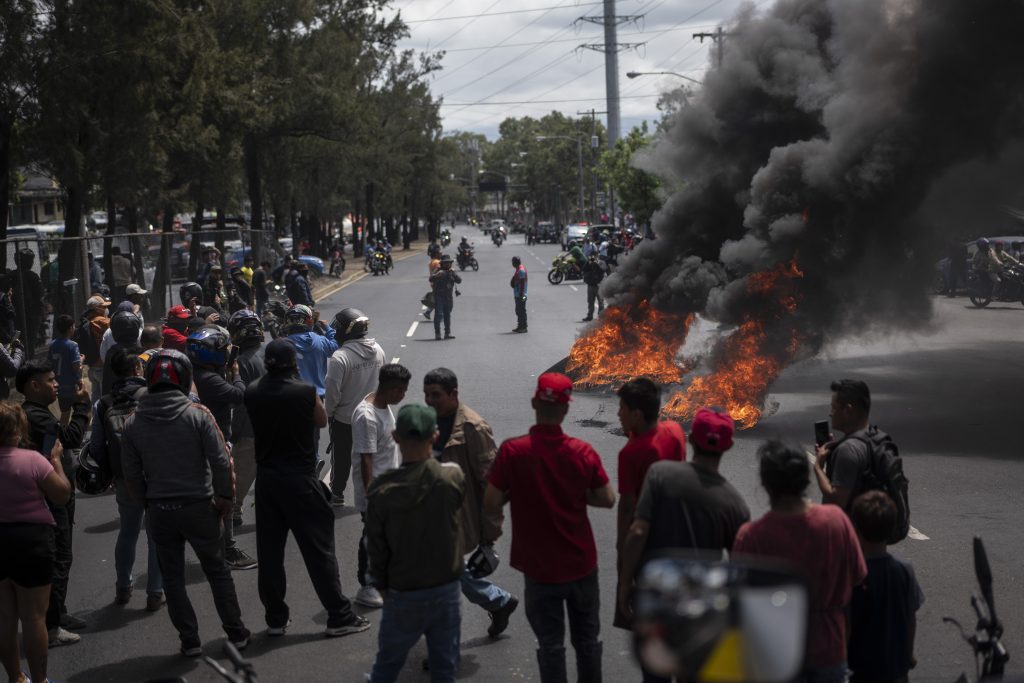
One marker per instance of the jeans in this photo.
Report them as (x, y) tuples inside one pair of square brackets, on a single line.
[(483, 593), (170, 526), (592, 295), (407, 615), (443, 314), (521, 312), (297, 503), (244, 455), (341, 456), (64, 519), (546, 605), (132, 515)]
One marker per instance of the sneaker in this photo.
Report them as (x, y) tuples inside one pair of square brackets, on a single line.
[(241, 643), (238, 559), (449, 336), (368, 596), (59, 636), (72, 623), (122, 596), (191, 650), (499, 617), (154, 601), (279, 630), (357, 625), (337, 500)]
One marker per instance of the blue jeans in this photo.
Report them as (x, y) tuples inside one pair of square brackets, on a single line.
[(431, 612), (132, 514), (483, 593), (546, 607), (443, 314)]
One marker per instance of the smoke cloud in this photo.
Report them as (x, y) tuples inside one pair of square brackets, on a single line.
[(837, 133)]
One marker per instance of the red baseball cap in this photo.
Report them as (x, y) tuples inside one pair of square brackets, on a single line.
[(179, 312), (553, 387), (712, 431)]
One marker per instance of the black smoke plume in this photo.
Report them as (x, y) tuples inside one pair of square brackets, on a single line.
[(824, 137)]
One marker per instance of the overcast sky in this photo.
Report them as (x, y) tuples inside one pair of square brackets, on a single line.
[(522, 57)]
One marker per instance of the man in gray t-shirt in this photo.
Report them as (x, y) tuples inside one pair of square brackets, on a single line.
[(840, 466)]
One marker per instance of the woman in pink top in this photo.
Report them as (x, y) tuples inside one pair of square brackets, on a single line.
[(26, 536), (817, 540)]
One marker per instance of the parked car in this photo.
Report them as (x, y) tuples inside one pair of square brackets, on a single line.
[(236, 257)]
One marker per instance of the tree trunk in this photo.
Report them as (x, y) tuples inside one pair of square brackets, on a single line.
[(6, 131), (162, 279), (255, 185), (357, 238), (370, 232), (195, 249), (138, 247), (220, 234), (70, 255), (294, 227)]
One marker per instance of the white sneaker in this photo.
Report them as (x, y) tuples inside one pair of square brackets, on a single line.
[(59, 636), (368, 596)]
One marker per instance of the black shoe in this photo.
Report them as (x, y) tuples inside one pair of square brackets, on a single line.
[(449, 336), (426, 314), (499, 617), (238, 560), (519, 330), (72, 623), (357, 625), (587, 319), (437, 337)]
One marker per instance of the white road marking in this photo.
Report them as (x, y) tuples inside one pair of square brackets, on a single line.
[(402, 346), (573, 288), (916, 535), (395, 360), (412, 329)]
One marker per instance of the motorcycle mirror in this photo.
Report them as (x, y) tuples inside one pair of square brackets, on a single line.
[(701, 619), (984, 573)]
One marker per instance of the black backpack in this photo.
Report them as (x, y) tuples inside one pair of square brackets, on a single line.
[(114, 420), (885, 473)]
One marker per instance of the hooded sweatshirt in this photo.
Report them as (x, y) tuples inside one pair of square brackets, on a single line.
[(412, 526), (352, 374), (314, 350), (172, 451), (221, 396), (173, 339)]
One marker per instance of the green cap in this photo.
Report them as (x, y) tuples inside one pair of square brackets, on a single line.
[(416, 420)]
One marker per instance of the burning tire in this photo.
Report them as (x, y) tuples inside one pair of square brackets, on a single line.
[(555, 276)]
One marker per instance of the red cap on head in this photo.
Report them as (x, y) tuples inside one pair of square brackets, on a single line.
[(553, 387), (179, 312), (712, 431)]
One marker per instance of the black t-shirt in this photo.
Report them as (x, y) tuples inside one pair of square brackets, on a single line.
[(689, 507), (281, 408), (881, 611), (444, 427)]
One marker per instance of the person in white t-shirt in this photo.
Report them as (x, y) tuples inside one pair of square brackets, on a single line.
[(374, 452)]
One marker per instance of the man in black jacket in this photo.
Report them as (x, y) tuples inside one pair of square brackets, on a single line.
[(37, 382), (246, 331), (594, 271)]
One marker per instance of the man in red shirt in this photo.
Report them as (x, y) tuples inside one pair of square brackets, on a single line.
[(649, 442), (549, 479)]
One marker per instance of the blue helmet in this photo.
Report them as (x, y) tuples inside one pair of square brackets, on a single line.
[(982, 243), (209, 345)]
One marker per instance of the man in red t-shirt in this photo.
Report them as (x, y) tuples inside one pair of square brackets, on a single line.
[(549, 479), (649, 442)]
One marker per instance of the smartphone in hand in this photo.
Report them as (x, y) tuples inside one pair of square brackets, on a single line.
[(821, 433)]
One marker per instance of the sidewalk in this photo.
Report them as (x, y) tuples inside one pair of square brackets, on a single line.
[(327, 285)]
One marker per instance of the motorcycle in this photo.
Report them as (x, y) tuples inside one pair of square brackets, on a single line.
[(380, 263), (273, 316), (498, 236), (990, 655), (564, 267), (446, 238), (983, 291), (465, 259), (337, 264)]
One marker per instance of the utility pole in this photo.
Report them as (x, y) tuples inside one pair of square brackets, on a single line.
[(611, 47), (719, 37), (593, 158)]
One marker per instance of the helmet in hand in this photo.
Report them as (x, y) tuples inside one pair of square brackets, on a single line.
[(483, 562), (90, 478)]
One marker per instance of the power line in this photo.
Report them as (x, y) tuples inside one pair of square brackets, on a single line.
[(466, 25), (485, 13), (505, 103)]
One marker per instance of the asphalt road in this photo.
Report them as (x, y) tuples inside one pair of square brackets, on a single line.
[(950, 395)]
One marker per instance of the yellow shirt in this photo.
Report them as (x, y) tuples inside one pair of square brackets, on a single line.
[(247, 274)]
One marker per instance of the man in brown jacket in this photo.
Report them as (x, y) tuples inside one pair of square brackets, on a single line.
[(466, 439)]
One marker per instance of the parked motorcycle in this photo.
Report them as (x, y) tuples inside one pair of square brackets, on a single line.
[(564, 267), (983, 291), (990, 655), (465, 259)]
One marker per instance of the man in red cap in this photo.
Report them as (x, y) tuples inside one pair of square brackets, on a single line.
[(683, 505), (549, 479), (175, 330)]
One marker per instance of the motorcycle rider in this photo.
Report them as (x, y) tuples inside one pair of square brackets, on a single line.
[(594, 271), (443, 283), (246, 330), (519, 284), (577, 256), (315, 343), (221, 389), (465, 250), (1004, 256), (985, 261)]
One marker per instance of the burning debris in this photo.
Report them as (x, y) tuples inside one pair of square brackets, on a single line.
[(825, 133)]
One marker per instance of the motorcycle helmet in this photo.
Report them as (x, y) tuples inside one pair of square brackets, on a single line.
[(168, 367), (244, 325), (446, 260), (982, 243), (90, 478), (125, 328), (299, 318), (351, 323), (482, 562), (209, 345), (189, 291)]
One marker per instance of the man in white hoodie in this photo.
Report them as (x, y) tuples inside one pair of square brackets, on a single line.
[(351, 374)]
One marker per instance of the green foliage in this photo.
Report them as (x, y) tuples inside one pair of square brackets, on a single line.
[(637, 191)]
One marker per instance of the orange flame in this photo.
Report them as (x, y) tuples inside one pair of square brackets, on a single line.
[(747, 367), (634, 341)]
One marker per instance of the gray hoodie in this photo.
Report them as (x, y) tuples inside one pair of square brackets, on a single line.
[(173, 451), (351, 374)]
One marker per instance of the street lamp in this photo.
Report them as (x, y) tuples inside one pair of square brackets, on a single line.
[(634, 74), (579, 161)]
